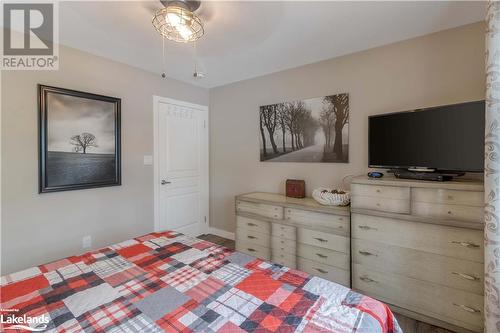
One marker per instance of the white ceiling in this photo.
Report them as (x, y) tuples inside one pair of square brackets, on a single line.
[(249, 39)]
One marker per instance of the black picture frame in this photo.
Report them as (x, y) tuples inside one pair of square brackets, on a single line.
[(43, 111)]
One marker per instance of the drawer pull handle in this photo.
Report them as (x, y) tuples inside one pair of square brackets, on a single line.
[(365, 227), (251, 237), (466, 276), (320, 240), (322, 271), (251, 250), (449, 212), (467, 308), (466, 244), (250, 224), (366, 253), (321, 255), (450, 197), (378, 191), (367, 279)]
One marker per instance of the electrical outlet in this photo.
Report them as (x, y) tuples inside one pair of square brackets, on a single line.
[(87, 242)]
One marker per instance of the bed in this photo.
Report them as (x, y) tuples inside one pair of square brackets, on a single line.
[(169, 282)]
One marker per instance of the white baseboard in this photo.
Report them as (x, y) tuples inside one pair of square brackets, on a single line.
[(221, 233)]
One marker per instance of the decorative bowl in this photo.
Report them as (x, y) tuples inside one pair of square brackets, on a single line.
[(331, 197)]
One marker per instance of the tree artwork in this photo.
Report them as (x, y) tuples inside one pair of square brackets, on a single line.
[(269, 118), (82, 142), (339, 104), (311, 130)]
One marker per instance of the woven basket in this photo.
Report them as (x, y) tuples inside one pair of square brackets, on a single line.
[(325, 197)]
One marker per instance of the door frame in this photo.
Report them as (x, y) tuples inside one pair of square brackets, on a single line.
[(204, 182)]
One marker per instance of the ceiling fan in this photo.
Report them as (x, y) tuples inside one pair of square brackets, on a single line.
[(178, 22)]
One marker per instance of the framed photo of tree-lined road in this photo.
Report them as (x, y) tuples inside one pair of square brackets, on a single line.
[(79, 140), (309, 130)]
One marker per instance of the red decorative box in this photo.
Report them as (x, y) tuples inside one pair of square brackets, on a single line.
[(295, 188)]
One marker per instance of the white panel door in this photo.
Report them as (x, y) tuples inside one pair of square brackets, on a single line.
[(182, 167)]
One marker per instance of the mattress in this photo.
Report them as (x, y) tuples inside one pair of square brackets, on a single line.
[(169, 282)]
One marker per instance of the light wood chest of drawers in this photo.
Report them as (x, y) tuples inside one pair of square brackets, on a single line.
[(297, 233), (418, 246)]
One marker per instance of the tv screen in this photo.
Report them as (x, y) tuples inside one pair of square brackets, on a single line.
[(447, 138)]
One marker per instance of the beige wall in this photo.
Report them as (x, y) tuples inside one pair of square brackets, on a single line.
[(446, 67), (37, 228)]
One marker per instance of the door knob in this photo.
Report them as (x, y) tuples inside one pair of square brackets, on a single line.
[(164, 182)]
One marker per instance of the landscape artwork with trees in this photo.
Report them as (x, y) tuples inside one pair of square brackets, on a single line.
[(79, 140), (310, 130)]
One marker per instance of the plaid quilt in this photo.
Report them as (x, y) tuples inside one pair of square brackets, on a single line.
[(168, 282)]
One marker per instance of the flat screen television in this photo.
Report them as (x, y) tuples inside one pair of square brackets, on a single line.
[(444, 138)]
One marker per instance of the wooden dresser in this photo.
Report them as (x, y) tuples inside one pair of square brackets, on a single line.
[(297, 233), (418, 246)]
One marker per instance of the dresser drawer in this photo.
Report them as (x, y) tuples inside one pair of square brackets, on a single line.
[(443, 196), (253, 225), (381, 191), (281, 244), (444, 240), (447, 211), (253, 249), (455, 273), (400, 206), (284, 231), (323, 239), (458, 307), (323, 256), (275, 212), (281, 258), (338, 223), (253, 237), (324, 271)]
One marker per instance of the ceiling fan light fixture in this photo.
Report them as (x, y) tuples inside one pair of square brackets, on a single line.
[(174, 18), (185, 32), (177, 22)]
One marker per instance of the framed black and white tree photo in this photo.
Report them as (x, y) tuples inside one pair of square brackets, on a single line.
[(79, 140), (314, 130)]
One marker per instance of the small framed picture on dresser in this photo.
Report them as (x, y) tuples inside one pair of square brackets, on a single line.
[(79, 140)]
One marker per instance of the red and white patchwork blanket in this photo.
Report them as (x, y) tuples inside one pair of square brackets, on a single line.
[(168, 282)]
